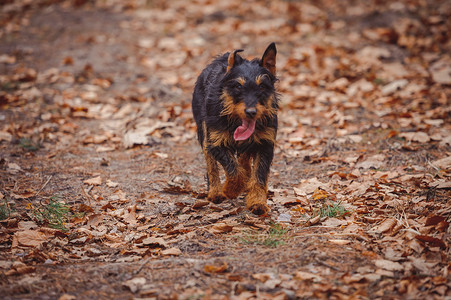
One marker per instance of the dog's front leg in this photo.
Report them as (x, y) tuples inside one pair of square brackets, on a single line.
[(235, 174), (258, 184)]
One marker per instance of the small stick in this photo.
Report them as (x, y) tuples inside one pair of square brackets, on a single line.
[(327, 265), (87, 195), (142, 266), (40, 190)]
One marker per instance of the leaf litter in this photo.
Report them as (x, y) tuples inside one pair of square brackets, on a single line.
[(359, 187)]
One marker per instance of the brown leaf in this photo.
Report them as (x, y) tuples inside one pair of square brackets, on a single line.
[(234, 277), (385, 226), (353, 278), (200, 203), (262, 277), (220, 228), (171, 251), (434, 220), (5, 136), (20, 270), (340, 242), (314, 220), (68, 60), (388, 265), (67, 297), (26, 225), (95, 219), (135, 284), (154, 242), (434, 242), (443, 163), (301, 275), (85, 208), (94, 181), (30, 238)]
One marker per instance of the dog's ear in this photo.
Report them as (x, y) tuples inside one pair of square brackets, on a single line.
[(269, 58), (232, 59)]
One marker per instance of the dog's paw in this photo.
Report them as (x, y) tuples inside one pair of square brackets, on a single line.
[(216, 198), (259, 208)]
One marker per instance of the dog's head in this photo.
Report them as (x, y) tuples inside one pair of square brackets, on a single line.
[(248, 90)]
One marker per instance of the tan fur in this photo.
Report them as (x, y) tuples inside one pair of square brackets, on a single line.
[(245, 161), (256, 198), (235, 185), (241, 80), (259, 78), (219, 138), (229, 106), (268, 135), (215, 193)]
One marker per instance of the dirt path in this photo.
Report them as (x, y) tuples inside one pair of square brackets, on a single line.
[(96, 126)]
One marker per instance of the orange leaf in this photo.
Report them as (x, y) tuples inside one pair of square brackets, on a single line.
[(319, 194), (216, 269)]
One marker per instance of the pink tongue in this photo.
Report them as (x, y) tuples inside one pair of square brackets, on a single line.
[(244, 131)]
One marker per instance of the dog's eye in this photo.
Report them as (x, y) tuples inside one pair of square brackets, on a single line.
[(262, 87)]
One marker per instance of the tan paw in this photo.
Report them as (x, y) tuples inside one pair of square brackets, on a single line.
[(259, 208), (216, 197)]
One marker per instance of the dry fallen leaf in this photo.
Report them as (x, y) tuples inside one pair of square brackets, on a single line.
[(171, 251), (340, 242), (262, 277), (314, 220), (220, 228), (30, 238), (154, 242), (301, 275), (5, 136), (135, 284), (433, 241), (94, 181), (200, 203), (111, 184), (443, 163), (388, 265), (385, 226)]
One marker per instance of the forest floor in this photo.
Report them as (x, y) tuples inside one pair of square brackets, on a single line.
[(102, 181)]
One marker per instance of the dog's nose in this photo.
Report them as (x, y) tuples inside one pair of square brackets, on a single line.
[(250, 112)]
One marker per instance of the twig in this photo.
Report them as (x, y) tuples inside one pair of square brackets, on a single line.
[(336, 235), (40, 190), (142, 266), (327, 265), (87, 195), (429, 163)]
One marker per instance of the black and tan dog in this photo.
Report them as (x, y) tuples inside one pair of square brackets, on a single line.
[(235, 107)]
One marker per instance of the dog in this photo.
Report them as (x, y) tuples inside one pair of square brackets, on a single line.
[(235, 106)]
